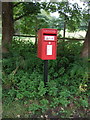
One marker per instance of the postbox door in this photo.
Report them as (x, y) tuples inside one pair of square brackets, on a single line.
[(49, 51)]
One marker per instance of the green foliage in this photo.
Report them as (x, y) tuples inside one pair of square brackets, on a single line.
[(14, 109), (67, 85), (33, 16), (41, 89), (36, 107), (52, 88)]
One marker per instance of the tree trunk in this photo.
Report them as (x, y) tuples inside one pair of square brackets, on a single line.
[(64, 33), (7, 25), (86, 46), (64, 29)]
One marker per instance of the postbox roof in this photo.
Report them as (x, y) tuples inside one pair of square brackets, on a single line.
[(48, 31)]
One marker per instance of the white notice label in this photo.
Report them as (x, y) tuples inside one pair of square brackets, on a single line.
[(49, 49), (49, 38)]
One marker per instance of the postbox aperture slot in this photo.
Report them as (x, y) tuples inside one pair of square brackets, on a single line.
[(50, 34)]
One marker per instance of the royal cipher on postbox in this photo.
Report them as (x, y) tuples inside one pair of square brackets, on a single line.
[(47, 44)]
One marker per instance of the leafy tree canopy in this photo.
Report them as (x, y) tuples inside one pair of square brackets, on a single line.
[(37, 15)]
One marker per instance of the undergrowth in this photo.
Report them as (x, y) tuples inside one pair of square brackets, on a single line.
[(66, 93)]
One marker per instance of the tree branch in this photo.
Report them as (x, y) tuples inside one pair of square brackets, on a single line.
[(63, 14), (15, 5), (20, 17)]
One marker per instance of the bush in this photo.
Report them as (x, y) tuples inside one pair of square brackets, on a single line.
[(67, 84)]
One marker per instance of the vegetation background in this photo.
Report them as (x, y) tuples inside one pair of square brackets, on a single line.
[(24, 93)]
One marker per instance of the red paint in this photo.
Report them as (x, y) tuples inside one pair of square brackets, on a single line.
[(47, 44)]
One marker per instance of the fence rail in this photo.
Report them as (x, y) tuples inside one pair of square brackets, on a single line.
[(76, 39)]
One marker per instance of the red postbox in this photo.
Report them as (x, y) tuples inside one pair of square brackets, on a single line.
[(47, 44)]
